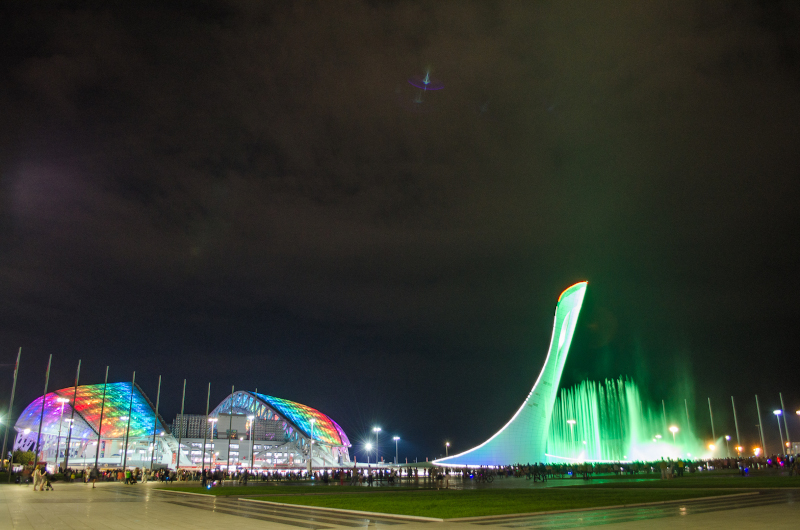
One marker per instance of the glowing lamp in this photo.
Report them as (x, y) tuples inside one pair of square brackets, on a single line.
[(396, 438), (658, 436), (673, 429), (26, 431), (62, 400), (712, 446), (376, 429), (727, 437), (368, 447), (777, 412), (571, 422)]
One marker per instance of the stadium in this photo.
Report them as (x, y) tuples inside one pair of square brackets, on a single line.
[(246, 430)]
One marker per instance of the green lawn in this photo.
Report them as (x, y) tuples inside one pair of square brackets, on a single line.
[(278, 489), (703, 481), (473, 503)]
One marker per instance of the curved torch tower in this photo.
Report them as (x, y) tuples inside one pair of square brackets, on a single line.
[(522, 440)]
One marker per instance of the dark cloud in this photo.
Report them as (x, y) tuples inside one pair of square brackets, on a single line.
[(251, 193)]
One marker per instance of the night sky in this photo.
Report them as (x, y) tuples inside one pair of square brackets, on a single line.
[(253, 194)]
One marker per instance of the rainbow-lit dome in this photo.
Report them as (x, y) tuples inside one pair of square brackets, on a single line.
[(298, 416), (88, 401)]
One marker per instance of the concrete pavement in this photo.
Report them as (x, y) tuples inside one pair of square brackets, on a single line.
[(116, 506)]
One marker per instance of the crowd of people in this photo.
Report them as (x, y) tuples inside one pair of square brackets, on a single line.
[(668, 468)]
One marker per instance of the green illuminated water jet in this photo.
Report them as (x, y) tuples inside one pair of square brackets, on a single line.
[(608, 421)]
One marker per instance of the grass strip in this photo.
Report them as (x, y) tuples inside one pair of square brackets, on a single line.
[(242, 491), (475, 503), (730, 481)]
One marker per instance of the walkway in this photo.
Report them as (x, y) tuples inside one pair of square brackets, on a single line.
[(115, 506)]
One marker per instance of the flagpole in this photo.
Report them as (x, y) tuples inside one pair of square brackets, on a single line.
[(155, 424), (41, 416), (230, 429), (128, 428), (8, 416), (181, 423), (71, 418), (100, 425), (205, 430)]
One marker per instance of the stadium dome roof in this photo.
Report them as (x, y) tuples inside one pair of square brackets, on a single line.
[(88, 403), (299, 416)]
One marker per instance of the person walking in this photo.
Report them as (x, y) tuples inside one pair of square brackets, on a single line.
[(46, 484), (37, 478), (93, 475)]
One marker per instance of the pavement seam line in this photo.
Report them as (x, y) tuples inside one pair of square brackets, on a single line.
[(617, 506), (353, 512)]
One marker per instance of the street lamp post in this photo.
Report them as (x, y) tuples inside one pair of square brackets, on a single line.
[(673, 430), (396, 439), (727, 448), (377, 430), (252, 442), (60, 423), (312, 421), (780, 431), (212, 421), (123, 418), (368, 447), (446, 449)]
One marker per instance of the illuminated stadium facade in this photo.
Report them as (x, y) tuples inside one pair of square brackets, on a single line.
[(276, 432), (523, 439), (83, 440)]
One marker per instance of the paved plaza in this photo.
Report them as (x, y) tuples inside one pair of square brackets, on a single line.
[(116, 506)]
